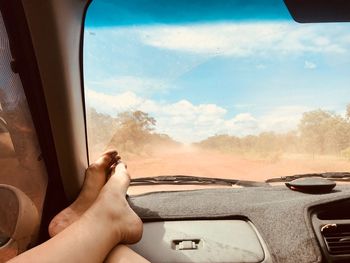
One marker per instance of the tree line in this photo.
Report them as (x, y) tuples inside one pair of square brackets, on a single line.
[(131, 132), (319, 132)]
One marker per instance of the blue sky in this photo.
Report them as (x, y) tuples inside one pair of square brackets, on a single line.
[(208, 76)]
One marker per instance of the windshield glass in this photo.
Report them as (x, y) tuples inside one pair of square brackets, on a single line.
[(229, 89)]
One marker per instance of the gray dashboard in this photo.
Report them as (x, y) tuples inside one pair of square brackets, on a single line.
[(280, 216), (217, 241)]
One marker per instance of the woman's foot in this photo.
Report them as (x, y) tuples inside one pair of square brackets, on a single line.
[(112, 204), (95, 178)]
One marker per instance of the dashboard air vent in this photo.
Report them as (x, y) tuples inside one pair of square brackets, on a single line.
[(337, 238)]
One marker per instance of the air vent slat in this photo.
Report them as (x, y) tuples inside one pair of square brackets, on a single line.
[(345, 252), (337, 238), (338, 247), (337, 242), (337, 234), (340, 239)]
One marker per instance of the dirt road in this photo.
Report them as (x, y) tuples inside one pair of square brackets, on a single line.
[(192, 161)]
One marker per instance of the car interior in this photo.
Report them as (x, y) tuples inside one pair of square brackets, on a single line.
[(44, 151)]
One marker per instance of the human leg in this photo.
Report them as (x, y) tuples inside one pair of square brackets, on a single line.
[(108, 222), (95, 178)]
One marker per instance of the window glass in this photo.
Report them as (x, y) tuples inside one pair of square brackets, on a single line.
[(20, 157), (232, 89)]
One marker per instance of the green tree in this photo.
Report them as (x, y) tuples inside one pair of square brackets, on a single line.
[(128, 132), (137, 123), (324, 132), (133, 132)]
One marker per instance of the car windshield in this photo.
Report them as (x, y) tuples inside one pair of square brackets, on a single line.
[(229, 89)]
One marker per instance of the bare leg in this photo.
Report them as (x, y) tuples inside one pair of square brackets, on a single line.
[(109, 221), (123, 254), (95, 178)]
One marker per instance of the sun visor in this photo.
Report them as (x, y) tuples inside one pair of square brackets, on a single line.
[(317, 11)]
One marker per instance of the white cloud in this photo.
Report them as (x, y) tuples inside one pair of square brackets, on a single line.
[(309, 65), (241, 124), (282, 119), (182, 120), (187, 122), (322, 41), (244, 39), (112, 104)]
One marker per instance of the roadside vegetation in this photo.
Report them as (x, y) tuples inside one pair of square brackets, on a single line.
[(131, 132), (319, 133)]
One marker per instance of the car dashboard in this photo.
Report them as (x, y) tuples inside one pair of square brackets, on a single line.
[(255, 224)]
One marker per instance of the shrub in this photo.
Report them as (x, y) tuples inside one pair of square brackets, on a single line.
[(346, 153)]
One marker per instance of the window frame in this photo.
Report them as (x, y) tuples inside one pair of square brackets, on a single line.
[(18, 18)]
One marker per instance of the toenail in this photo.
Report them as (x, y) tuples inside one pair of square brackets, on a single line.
[(113, 153)]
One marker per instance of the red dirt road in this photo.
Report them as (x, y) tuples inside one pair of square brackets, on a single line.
[(192, 161)]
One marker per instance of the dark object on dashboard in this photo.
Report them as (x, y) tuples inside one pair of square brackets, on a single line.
[(312, 185), (333, 176)]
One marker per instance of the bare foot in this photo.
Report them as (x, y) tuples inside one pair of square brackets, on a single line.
[(95, 178), (112, 203)]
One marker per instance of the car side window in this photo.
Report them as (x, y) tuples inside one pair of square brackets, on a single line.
[(21, 164)]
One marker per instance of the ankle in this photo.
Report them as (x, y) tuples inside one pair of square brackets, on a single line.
[(103, 221)]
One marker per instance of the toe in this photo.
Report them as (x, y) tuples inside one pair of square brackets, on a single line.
[(104, 162), (120, 177)]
